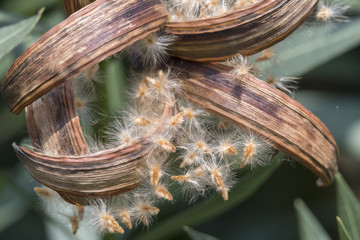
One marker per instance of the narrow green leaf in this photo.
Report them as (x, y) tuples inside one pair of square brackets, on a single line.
[(115, 84), (309, 227), (308, 48), (343, 232), (246, 186), (11, 36), (348, 207), (196, 235)]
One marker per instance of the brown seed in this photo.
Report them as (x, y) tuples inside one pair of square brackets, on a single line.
[(74, 221), (150, 209), (111, 224), (265, 55), (166, 145), (141, 121), (79, 104), (155, 174), (181, 178), (80, 211), (125, 219), (270, 80), (230, 150), (43, 192), (249, 151), (220, 183), (162, 192), (188, 159), (177, 120)]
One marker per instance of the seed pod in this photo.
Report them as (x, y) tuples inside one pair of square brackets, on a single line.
[(88, 36), (103, 174), (246, 31), (255, 105)]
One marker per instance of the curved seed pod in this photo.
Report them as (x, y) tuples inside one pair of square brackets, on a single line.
[(53, 124), (52, 121), (88, 36), (78, 179), (243, 31), (54, 128), (106, 173), (252, 103)]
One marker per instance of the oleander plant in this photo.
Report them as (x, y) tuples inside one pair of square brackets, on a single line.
[(150, 119)]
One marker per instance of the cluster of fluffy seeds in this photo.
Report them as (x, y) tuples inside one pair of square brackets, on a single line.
[(188, 10), (208, 150)]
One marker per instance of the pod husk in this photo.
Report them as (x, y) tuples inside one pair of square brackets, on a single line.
[(255, 105), (79, 179), (245, 32), (54, 125), (88, 36)]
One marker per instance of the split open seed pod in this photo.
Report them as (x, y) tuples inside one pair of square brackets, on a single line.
[(87, 37), (246, 31), (79, 179), (106, 27), (253, 104)]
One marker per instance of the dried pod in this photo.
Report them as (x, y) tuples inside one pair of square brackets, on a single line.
[(242, 31), (53, 124), (88, 36), (252, 103), (103, 174), (80, 178)]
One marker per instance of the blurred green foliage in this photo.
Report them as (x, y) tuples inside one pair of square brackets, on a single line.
[(327, 57), (348, 211)]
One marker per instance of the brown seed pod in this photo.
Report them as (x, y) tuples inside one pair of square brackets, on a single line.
[(255, 105), (88, 36), (53, 124), (242, 31), (103, 174), (79, 178)]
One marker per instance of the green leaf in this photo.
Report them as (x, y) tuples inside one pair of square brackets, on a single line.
[(11, 36), (196, 235), (343, 232), (115, 84), (308, 48), (245, 187), (309, 227), (348, 207)]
